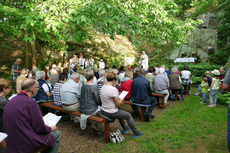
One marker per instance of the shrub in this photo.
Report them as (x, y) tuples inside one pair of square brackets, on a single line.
[(198, 70), (223, 99)]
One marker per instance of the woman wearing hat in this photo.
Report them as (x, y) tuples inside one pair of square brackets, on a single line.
[(215, 86)]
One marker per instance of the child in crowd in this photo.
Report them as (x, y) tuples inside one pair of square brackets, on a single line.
[(204, 90), (215, 86)]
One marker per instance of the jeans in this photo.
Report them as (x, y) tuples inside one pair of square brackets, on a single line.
[(57, 137), (204, 97), (228, 134), (213, 97), (122, 116), (165, 92), (199, 89), (153, 101)]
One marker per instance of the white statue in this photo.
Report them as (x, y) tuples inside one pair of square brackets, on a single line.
[(144, 61)]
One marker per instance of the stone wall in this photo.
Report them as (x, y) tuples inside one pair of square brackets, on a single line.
[(202, 41)]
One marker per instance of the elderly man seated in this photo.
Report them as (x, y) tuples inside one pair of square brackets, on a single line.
[(23, 122), (71, 93), (142, 93), (161, 83), (44, 93)]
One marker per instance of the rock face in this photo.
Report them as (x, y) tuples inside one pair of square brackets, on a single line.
[(202, 41)]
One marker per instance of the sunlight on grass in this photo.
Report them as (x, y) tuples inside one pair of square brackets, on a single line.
[(185, 127)]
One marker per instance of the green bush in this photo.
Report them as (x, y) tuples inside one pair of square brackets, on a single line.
[(198, 70), (5, 75), (196, 80), (223, 99)]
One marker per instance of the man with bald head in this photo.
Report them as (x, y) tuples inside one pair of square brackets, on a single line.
[(23, 122)]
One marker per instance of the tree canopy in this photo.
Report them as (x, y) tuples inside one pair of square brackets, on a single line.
[(56, 22)]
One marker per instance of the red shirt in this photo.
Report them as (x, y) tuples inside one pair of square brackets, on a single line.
[(127, 86)]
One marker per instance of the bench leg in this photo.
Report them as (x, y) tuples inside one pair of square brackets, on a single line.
[(176, 95), (163, 102), (186, 89), (142, 114), (106, 131)]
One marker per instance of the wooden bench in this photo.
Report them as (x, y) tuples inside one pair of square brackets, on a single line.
[(3, 144), (41, 149), (94, 118), (163, 99), (142, 108)]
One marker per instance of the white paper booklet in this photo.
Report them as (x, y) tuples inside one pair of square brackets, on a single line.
[(12, 96), (123, 94), (2, 136), (51, 119)]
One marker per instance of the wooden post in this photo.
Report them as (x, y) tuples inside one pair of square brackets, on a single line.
[(163, 102), (106, 131), (142, 114)]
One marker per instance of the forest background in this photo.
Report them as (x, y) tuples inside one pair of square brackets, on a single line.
[(45, 31)]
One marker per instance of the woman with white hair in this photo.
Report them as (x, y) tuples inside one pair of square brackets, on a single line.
[(44, 92), (161, 84)]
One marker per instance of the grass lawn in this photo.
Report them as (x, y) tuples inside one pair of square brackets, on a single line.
[(185, 127)]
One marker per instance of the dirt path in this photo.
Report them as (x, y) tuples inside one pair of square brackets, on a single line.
[(75, 140)]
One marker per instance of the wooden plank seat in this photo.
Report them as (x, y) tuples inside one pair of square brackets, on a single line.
[(163, 99), (3, 144), (140, 105), (41, 149), (94, 118)]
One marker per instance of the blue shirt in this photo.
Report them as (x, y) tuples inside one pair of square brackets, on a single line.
[(70, 92)]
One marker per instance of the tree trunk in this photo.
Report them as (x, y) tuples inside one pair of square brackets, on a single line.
[(28, 56), (34, 51)]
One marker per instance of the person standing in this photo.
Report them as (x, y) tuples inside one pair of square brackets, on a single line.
[(101, 65), (15, 70), (226, 87), (215, 86), (144, 61), (81, 62), (91, 62), (23, 122)]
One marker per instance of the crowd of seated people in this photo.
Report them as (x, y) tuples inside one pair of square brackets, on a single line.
[(82, 87)]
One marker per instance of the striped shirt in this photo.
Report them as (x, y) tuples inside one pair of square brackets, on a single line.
[(57, 94)]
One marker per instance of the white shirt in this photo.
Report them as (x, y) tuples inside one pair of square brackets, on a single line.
[(101, 65), (81, 61), (185, 74), (91, 61)]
